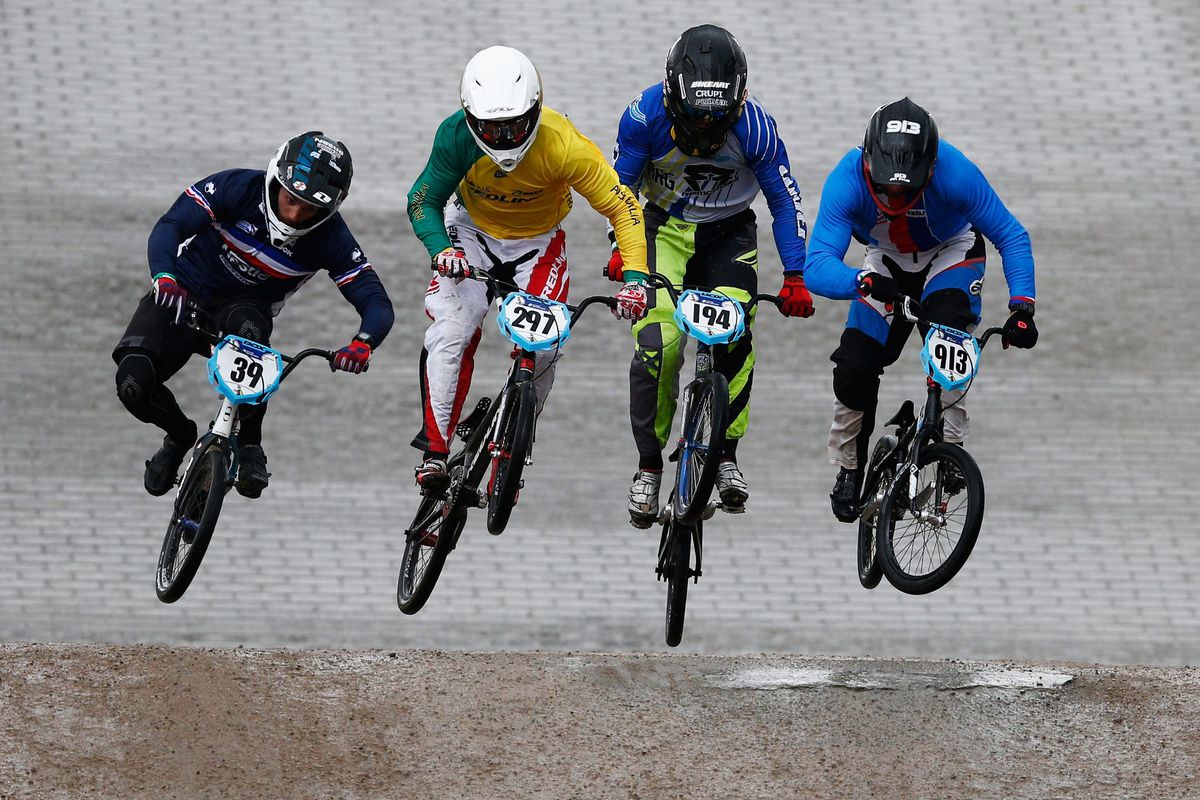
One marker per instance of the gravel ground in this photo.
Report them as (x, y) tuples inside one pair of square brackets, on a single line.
[(84, 721)]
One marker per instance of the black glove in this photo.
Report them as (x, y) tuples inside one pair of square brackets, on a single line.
[(1020, 330), (879, 286)]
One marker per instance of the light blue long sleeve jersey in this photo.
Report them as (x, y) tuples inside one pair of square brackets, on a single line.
[(957, 198), (701, 190)]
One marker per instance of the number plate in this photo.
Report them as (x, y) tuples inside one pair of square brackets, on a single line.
[(244, 371), (534, 323), (950, 356), (710, 318)]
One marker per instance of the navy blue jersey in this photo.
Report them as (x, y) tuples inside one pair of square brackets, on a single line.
[(706, 189), (214, 240), (957, 198)]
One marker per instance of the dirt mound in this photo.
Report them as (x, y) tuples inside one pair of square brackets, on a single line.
[(131, 722)]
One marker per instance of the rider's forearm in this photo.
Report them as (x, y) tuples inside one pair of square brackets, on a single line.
[(374, 307)]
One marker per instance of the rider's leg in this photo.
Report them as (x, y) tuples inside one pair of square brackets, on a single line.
[(250, 320), (729, 249), (953, 297), (872, 340), (657, 357), (457, 311), (148, 354)]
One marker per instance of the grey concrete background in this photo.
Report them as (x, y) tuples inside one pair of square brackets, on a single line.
[(1082, 115)]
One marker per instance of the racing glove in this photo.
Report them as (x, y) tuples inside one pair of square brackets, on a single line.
[(632, 301), (169, 295), (795, 301), (615, 271), (451, 263), (354, 357), (1019, 330), (879, 286)]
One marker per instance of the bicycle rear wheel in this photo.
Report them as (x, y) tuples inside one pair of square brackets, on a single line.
[(193, 519), (924, 540), (429, 539), (701, 444), (675, 563), (879, 478), (514, 440)]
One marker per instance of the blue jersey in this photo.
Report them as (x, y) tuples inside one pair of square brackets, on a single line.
[(706, 189), (214, 240), (957, 198)]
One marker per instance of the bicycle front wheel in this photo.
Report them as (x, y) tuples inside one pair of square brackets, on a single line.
[(879, 478), (508, 461), (193, 519), (677, 570), (928, 526), (701, 444), (429, 539)]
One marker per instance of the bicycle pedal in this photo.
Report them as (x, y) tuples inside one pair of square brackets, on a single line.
[(730, 508), (481, 500)]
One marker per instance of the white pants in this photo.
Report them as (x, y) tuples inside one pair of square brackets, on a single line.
[(538, 265)]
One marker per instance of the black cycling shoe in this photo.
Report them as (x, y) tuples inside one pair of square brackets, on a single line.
[(252, 475), (844, 497), (163, 466)]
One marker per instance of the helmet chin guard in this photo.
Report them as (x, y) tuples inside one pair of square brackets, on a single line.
[(501, 95)]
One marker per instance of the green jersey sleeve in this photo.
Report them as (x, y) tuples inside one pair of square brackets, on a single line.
[(454, 153)]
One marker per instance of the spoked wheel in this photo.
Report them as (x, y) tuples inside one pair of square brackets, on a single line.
[(926, 536), (429, 539), (675, 562), (879, 477), (193, 519), (701, 444), (512, 448)]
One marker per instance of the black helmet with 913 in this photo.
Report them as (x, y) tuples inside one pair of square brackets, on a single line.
[(899, 152), (705, 88)]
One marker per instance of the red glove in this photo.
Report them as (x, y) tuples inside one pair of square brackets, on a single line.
[(631, 302), (795, 301), (169, 295), (354, 357), (615, 271)]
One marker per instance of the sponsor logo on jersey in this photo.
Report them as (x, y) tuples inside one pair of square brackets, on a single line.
[(499, 196), (210, 188), (245, 273), (662, 177), (356, 255), (248, 227), (797, 201), (704, 179), (976, 286)]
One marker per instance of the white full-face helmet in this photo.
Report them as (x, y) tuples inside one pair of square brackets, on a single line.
[(502, 97)]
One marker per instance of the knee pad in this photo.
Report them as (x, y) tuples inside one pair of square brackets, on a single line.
[(249, 322), (856, 371), (950, 307), (136, 380)]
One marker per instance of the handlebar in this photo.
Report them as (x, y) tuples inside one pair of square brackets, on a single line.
[(913, 312), (194, 317), (663, 283), (503, 288)]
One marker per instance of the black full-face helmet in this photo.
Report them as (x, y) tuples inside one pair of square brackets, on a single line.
[(899, 151), (315, 169), (705, 88)]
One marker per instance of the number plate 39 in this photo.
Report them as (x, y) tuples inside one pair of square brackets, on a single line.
[(709, 318), (244, 371), (534, 323), (950, 356)]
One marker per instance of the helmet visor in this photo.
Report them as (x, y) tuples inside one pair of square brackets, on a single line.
[(505, 134)]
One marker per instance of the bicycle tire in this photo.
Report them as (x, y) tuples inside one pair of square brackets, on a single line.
[(422, 562), (196, 509), (516, 436), (879, 476), (702, 439), (677, 573), (921, 546)]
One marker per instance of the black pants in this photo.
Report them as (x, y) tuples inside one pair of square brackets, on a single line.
[(153, 349)]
